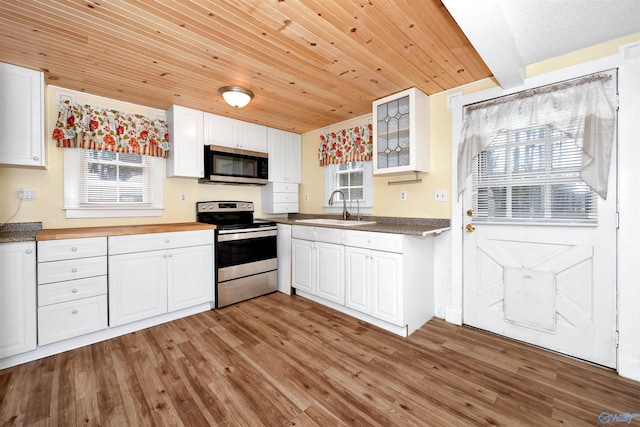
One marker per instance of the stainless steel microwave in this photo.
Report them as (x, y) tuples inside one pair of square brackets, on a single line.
[(234, 166)]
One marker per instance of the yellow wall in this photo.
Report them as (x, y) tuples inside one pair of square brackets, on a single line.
[(48, 183), (420, 201), (386, 198)]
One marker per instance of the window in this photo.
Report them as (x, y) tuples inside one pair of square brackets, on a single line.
[(532, 175), (355, 180), (109, 178), (108, 184)]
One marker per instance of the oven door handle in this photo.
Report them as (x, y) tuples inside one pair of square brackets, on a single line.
[(246, 236)]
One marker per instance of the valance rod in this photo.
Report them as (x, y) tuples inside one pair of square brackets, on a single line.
[(539, 91)]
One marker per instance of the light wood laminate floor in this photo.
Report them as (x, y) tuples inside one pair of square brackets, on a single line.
[(284, 361)]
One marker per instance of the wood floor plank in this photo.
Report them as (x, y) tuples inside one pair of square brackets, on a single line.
[(284, 360)]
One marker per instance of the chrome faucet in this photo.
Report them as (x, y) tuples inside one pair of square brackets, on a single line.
[(358, 205), (345, 213)]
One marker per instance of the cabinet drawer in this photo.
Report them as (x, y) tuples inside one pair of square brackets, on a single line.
[(285, 198), (285, 208), (318, 234), (284, 187), (56, 250), (58, 271), (156, 241), (57, 322), (55, 293), (376, 241)]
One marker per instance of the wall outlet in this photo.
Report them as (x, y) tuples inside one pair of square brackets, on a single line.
[(182, 197), (440, 196), (27, 194), (306, 197), (403, 194)]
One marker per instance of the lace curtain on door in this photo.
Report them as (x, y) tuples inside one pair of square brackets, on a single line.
[(584, 108)]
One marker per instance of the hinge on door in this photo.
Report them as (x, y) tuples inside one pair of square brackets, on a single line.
[(617, 339), (617, 220), (617, 101)]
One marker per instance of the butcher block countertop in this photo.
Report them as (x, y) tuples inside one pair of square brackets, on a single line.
[(121, 230)]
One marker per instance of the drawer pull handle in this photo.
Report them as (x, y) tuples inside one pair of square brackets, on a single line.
[(29, 251), (166, 241), (170, 255), (74, 249), (368, 240), (74, 291), (74, 311), (74, 270)]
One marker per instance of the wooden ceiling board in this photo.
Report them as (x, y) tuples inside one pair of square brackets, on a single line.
[(310, 63)]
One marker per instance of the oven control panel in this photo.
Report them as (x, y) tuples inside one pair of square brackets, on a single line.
[(222, 206)]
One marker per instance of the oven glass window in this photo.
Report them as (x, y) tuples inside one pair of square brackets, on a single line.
[(235, 252)]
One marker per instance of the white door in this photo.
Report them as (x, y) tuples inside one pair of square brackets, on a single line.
[(542, 281), (190, 276), (137, 286), (330, 275)]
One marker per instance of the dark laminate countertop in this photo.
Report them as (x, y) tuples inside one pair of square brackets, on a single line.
[(395, 225), (19, 232)]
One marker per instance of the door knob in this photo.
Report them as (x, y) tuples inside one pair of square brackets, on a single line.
[(470, 228)]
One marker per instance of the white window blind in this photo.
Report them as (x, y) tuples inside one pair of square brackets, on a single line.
[(350, 179), (532, 175), (109, 179)]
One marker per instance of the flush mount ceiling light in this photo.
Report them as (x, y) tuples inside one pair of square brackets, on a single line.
[(236, 96)]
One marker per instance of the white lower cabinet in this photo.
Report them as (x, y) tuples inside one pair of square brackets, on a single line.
[(72, 288), (17, 298), (153, 274), (318, 264), (374, 283), (137, 286), (385, 279)]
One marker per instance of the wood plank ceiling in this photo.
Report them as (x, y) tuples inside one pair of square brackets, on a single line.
[(310, 63)]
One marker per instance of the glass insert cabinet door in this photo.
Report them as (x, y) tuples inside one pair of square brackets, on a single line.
[(401, 133)]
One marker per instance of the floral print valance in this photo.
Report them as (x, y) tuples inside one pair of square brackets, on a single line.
[(348, 145), (96, 128)]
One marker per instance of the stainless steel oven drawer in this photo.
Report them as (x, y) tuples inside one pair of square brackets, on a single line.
[(237, 290)]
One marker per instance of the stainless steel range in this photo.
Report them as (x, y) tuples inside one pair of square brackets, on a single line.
[(245, 251)]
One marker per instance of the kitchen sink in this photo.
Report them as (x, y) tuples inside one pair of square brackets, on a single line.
[(331, 221)]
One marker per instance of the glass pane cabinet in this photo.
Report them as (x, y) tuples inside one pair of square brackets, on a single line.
[(401, 133)]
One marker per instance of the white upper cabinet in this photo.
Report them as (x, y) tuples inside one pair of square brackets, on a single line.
[(21, 116), (284, 156), (186, 156), (401, 133), (227, 132)]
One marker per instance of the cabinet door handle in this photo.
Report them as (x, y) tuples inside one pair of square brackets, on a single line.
[(36, 158), (75, 311), (170, 255), (164, 256), (74, 270), (74, 291), (29, 251)]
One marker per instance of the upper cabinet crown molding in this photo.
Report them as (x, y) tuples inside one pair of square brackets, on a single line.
[(401, 133), (22, 139)]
